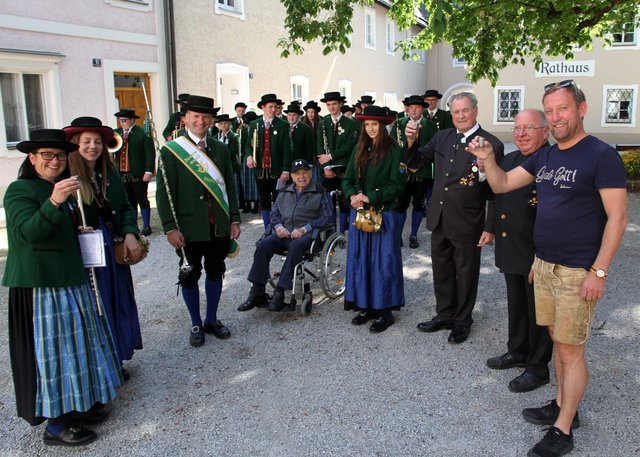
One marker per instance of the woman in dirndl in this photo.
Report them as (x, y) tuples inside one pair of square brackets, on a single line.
[(63, 357), (373, 179), (106, 206), (249, 186)]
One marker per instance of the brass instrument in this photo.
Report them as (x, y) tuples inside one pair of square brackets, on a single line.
[(398, 134), (254, 145), (114, 145), (325, 142)]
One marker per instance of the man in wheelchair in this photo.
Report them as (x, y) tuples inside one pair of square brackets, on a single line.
[(301, 211)]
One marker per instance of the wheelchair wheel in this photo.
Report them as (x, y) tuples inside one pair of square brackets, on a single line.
[(307, 304), (333, 266)]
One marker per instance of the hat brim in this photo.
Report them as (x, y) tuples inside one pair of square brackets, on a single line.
[(106, 132), (202, 109), (128, 116), (386, 120), (414, 102), (329, 99), (30, 146), (438, 96), (297, 111), (261, 103), (308, 168)]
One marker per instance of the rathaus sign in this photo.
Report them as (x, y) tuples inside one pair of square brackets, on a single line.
[(553, 68)]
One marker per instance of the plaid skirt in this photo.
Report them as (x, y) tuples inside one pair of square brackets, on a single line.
[(76, 358)]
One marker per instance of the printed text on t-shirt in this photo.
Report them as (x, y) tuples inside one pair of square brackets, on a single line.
[(562, 176)]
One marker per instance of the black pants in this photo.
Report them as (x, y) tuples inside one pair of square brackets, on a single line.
[(137, 192), (214, 252), (414, 189), (266, 192), (527, 340), (456, 269)]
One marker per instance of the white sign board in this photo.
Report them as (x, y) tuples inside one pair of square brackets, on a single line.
[(554, 68)]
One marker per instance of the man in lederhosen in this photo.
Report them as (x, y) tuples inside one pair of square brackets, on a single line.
[(229, 138), (269, 153), (204, 220), (136, 161)]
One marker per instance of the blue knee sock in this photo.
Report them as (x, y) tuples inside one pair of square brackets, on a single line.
[(344, 221), (146, 217), (55, 429), (213, 289), (416, 219), (266, 218), (191, 297)]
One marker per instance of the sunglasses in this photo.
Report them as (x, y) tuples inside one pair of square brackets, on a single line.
[(562, 84), (61, 156)]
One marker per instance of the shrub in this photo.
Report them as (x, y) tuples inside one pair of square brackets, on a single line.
[(631, 161)]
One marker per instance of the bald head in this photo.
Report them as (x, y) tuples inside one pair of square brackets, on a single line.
[(530, 130)]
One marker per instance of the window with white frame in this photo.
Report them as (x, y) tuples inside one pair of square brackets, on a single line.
[(391, 37), (626, 36), (620, 104), (299, 88), (508, 103), (23, 106), (344, 86), (459, 62), (369, 28), (230, 7), (390, 100)]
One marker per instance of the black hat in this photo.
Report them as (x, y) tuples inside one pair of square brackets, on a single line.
[(89, 124), (376, 113), (313, 105), (346, 108), (415, 100), (280, 102), (250, 116), (200, 104), (240, 105), (432, 93), (268, 98), (222, 118), (366, 99), (46, 138), (300, 164), (182, 98), (294, 108), (129, 113), (329, 96)]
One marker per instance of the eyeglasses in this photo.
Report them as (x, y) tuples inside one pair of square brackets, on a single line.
[(528, 129), (562, 84), (61, 156)]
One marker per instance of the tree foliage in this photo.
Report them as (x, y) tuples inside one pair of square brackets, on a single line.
[(488, 34)]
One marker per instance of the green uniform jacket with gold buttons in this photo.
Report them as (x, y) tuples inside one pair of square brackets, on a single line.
[(43, 241), (427, 130), (345, 142), (190, 197), (280, 146), (142, 156), (123, 216), (383, 182)]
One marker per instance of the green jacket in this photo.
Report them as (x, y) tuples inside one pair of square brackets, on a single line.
[(231, 141), (427, 130), (43, 241), (302, 145), (382, 183), (142, 157), (346, 140), (280, 145), (190, 197), (442, 119), (123, 217), (172, 124)]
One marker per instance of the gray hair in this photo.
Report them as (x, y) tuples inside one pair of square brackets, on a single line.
[(541, 116), (468, 95)]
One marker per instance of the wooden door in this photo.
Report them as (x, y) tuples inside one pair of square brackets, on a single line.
[(133, 97)]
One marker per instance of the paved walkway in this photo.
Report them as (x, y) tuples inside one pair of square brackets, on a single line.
[(286, 385)]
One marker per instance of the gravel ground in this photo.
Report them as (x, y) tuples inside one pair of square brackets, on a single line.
[(287, 385)]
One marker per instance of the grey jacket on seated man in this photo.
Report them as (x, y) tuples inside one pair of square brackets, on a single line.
[(310, 208)]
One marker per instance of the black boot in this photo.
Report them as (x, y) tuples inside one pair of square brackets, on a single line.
[(277, 301), (257, 297)]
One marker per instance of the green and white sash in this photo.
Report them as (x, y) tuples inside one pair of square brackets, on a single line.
[(205, 170)]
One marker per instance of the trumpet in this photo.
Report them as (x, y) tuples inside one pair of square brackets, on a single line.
[(114, 145)]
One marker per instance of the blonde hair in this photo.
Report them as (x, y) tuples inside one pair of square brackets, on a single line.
[(79, 167)]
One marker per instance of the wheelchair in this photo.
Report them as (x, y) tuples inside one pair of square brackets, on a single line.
[(325, 262)]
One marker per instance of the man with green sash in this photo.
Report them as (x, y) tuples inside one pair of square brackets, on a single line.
[(418, 183), (198, 207)]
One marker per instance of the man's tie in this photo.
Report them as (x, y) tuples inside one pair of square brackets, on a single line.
[(459, 137), (202, 145)]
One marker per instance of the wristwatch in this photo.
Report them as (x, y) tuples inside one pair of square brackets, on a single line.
[(600, 273)]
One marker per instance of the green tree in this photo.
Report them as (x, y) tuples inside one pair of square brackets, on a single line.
[(487, 34)]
